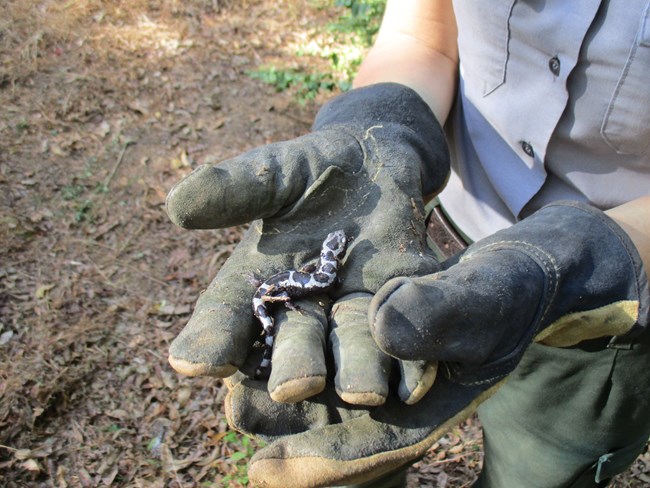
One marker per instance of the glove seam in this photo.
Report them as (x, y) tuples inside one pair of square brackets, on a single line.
[(541, 257), (552, 279)]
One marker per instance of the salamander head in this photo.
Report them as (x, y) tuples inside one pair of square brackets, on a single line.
[(336, 243)]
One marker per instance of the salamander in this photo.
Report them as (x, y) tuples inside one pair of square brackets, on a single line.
[(285, 286)]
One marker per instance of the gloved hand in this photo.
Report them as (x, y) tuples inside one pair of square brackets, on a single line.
[(372, 155), (566, 274)]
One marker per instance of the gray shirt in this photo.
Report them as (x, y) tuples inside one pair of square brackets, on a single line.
[(553, 103)]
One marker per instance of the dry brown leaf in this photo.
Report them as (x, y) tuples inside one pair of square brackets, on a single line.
[(106, 227), (185, 159), (92, 343), (5, 337), (110, 477), (178, 257), (171, 309), (171, 465), (457, 449), (442, 479), (140, 106), (22, 454), (183, 395), (31, 465), (84, 478), (118, 413), (61, 475), (103, 129), (42, 290)]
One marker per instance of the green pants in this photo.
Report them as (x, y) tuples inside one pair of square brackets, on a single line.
[(566, 418)]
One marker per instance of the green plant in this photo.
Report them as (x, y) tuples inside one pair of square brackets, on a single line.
[(344, 48), (72, 191), (83, 192), (242, 448), (306, 85), (362, 18)]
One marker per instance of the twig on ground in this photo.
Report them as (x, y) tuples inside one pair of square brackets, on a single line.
[(118, 163)]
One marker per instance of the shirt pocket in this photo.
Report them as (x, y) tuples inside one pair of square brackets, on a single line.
[(484, 35), (626, 125)]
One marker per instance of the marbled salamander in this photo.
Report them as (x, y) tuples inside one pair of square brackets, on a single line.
[(287, 285)]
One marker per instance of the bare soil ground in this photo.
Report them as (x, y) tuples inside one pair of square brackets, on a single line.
[(104, 106)]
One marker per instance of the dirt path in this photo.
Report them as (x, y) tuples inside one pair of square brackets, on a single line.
[(105, 105)]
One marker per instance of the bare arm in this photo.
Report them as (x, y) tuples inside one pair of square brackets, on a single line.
[(634, 218), (417, 47)]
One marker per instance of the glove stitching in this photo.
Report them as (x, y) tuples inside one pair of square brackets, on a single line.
[(552, 273), (369, 136), (546, 260), (483, 382), (337, 129)]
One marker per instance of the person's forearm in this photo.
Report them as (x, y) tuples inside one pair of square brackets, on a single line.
[(634, 218), (417, 47)]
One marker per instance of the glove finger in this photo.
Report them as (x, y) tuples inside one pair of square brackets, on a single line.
[(218, 337), (362, 370), (219, 334), (475, 311), (255, 185), (416, 378), (367, 446), (298, 368)]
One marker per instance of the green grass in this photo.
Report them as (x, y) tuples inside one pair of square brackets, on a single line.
[(243, 448), (344, 48)]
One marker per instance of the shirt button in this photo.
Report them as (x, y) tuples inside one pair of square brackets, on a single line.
[(554, 65), (528, 149)]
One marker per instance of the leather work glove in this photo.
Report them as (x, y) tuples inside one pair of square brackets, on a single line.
[(564, 275), (371, 156)]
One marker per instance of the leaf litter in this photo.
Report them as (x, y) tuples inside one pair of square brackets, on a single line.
[(106, 104)]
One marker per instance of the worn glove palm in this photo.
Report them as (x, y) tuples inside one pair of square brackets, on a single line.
[(372, 155), (566, 274)]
